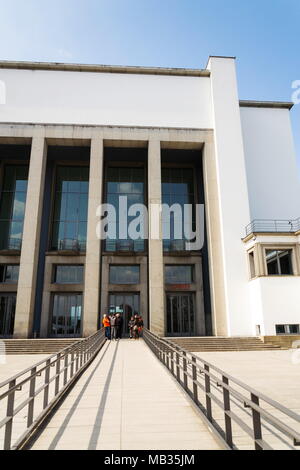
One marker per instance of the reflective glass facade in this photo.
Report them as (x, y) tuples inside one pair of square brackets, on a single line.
[(70, 208), (127, 182), (177, 188), (12, 206)]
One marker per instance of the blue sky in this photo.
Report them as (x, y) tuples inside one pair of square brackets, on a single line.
[(262, 34)]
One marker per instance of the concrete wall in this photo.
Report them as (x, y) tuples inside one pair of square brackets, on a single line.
[(232, 193), (274, 301), (272, 172), (63, 97)]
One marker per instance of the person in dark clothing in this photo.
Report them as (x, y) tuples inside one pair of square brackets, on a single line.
[(130, 326), (119, 325)]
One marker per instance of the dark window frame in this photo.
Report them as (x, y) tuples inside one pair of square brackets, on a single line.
[(286, 328), (3, 274), (54, 273), (192, 266), (12, 220), (277, 260)]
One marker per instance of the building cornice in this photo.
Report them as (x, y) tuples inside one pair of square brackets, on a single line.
[(266, 104), (55, 66)]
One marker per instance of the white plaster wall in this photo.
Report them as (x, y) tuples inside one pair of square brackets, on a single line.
[(106, 99), (272, 173), (275, 301), (233, 194)]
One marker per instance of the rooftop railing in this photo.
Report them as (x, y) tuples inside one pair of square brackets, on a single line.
[(239, 415), (273, 226)]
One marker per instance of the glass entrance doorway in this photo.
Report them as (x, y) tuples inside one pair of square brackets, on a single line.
[(7, 314), (127, 305), (180, 314), (66, 316)]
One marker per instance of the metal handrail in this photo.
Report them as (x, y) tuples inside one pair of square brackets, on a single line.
[(197, 375), (69, 363), (273, 226)]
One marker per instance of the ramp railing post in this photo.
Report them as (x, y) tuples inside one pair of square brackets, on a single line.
[(257, 431), (226, 401), (47, 379), (194, 372), (9, 414), (31, 396), (207, 393)]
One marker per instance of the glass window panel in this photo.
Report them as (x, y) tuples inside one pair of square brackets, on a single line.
[(16, 231), (9, 274), (125, 188), (68, 274), (9, 178), (66, 318), (138, 188), (83, 207), (124, 274), (285, 260), (7, 201), (113, 174), (82, 232), (72, 207), (71, 230), (178, 274), (4, 234), (112, 187), (124, 182), (279, 262), (272, 262), (19, 206), (84, 187), (125, 175), (60, 212)]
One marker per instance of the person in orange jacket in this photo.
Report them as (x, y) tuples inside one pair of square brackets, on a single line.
[(106, 324)]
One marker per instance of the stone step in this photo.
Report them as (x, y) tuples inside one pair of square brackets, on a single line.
[(198, 344), (37, 346)]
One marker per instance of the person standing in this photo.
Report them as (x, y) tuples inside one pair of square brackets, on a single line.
[(113, 327), (106, 324), (130, 326), (119, 325)]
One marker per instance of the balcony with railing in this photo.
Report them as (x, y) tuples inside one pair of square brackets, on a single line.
[(273, 226)]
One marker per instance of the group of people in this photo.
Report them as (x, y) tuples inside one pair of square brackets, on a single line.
[(113, 325)]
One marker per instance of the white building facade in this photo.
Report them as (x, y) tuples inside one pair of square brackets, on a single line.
[(146, 123)]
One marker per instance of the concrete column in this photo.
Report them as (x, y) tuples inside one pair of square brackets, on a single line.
[(31, 239), (91, 307), (156, 265)]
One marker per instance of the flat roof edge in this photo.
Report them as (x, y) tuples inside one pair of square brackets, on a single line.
[(56, 66), (266, 104)]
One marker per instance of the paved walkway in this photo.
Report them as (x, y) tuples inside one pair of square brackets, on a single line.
[(126, 400)]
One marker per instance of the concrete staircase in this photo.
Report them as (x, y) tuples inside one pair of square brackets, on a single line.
[(36, 346), (221, 344)]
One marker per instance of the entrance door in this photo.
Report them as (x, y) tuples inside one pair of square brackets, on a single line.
[(180, 314), (7, 314), (66, 316), (127, 304)]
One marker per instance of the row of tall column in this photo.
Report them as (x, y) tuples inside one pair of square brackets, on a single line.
[(24, 315)]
